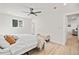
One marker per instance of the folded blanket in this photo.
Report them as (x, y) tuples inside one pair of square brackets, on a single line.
[(41, 42)]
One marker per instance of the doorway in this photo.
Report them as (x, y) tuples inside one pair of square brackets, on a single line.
[(73, 24)]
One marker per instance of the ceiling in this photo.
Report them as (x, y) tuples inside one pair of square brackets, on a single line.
[(46, 8), (19, 8), (72, 7)]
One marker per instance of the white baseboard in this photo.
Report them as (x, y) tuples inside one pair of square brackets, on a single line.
[(58, 42)]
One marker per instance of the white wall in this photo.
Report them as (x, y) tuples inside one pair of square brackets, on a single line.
[(6, 25), (52, 23), (72, 7)]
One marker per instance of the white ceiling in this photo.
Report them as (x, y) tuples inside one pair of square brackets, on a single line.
[(72, 7), (46, 8), (19, 8)]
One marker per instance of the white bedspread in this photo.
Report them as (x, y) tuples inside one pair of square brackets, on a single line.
[(24, 43)]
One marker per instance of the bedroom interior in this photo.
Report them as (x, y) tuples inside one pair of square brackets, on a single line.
[(39, 29)]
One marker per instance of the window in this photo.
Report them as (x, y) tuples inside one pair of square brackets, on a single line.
[(20, 23), (17, 23), (14, 23)]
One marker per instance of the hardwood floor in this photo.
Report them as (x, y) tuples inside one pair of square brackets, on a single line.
[(71, 48)]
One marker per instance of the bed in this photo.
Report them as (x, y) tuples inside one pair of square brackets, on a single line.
[(24, 43)]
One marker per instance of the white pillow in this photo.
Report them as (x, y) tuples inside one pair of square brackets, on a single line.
[(3, 42)]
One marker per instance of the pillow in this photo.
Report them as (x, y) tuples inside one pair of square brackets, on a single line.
[(10, 39), (3, 42)]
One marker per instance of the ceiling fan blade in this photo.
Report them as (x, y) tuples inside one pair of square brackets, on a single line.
[(35, 14), (38, 12), (32, 14)]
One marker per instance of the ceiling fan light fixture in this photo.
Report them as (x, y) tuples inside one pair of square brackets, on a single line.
[(32, 12)]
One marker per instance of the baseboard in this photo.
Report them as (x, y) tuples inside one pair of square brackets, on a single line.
[(58, 42)]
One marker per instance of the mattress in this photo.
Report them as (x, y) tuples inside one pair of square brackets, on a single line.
[(24, 44)]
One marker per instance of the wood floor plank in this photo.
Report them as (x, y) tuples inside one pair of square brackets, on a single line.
[(71, 48)]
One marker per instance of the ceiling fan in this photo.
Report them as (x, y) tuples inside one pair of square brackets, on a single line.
[(32, 12)]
